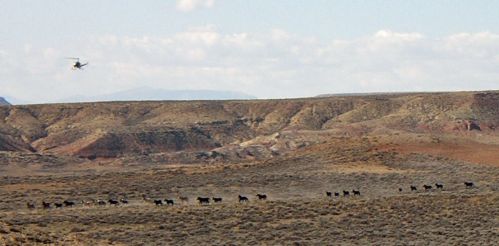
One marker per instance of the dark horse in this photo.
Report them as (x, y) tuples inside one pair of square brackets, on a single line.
[(243, 199), (69, 203), (264, 196), (439, 186), (114, 202), (413, 188), (427, 187), (217, 199), (469, 184), (46, 205), (169, 202), (346, 193), (203, 200), (356, 192)]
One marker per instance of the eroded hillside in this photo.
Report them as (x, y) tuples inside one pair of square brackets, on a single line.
[(203, 130)]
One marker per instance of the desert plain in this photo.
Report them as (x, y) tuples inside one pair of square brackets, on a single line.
[(292, 150)]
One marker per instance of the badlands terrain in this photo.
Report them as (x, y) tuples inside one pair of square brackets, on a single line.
[(293, 150)]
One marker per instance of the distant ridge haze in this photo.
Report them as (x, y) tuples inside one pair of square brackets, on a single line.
[(3, 101), (396, 93), (155, 94)]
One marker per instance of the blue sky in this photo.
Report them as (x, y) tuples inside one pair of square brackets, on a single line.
[(270, 49), (54, 21)]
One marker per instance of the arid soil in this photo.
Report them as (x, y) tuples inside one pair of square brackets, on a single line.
[(292, 150)]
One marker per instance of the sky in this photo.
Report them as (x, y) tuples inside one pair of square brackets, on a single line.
[(265, 48)]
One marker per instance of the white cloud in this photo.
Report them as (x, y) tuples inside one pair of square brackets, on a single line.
[(202, 35), (391, 36), (472, 44), (189, 5), (274, 64)]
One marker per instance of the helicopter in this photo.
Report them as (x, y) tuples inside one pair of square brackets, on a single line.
[(77, 64)]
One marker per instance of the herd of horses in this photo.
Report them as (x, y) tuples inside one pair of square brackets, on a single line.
[(207, 200), (202, 200), (71, 203), (124, 201), (437, 186), (412, 187), (345, 193)]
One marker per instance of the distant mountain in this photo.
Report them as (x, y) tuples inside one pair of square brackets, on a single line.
[(367, 94), (3, 101), (146, 93)]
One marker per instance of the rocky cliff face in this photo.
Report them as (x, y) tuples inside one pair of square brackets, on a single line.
[(234, 128)]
